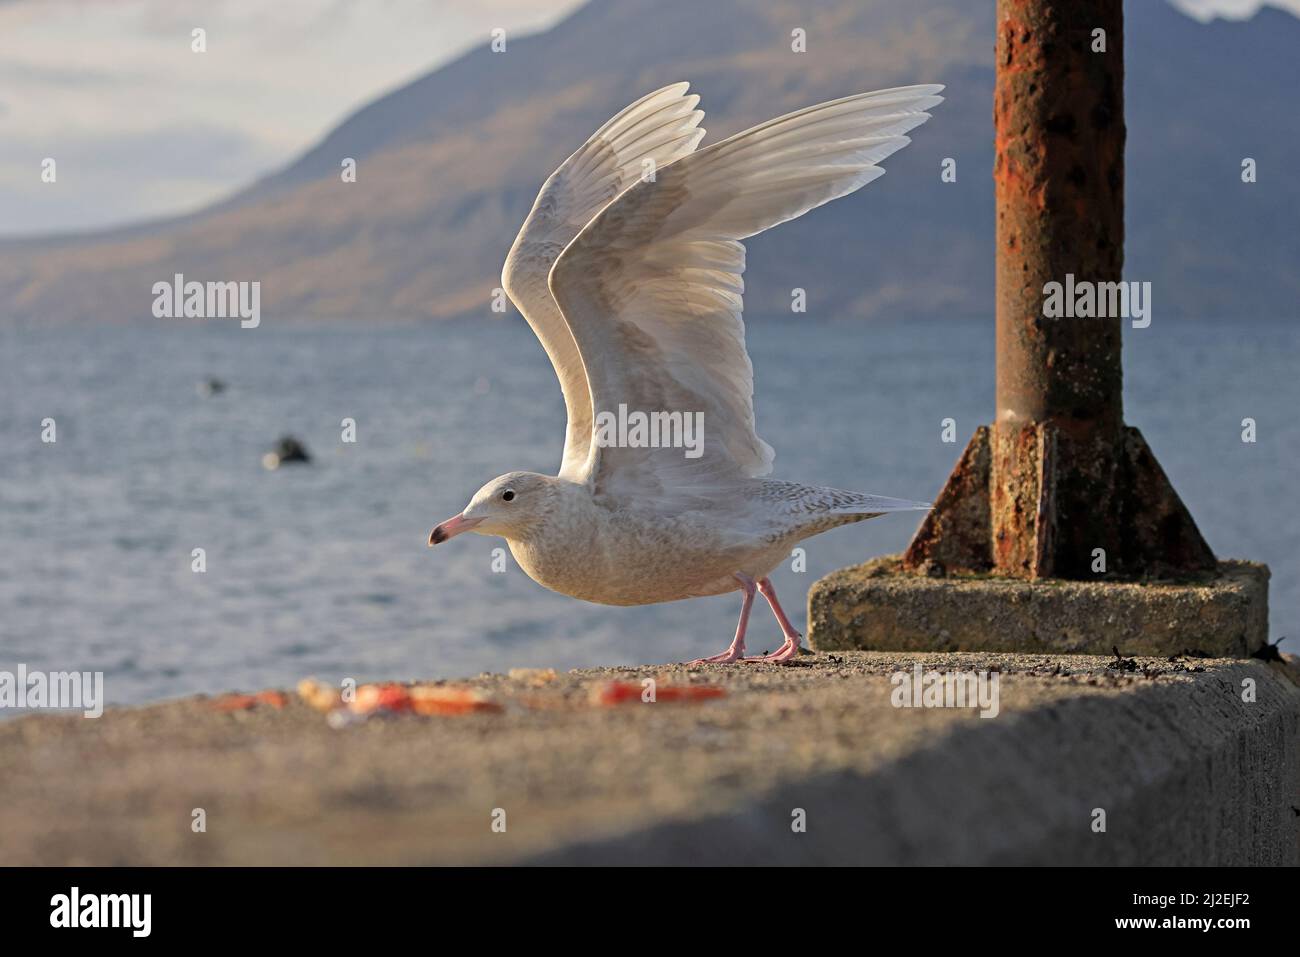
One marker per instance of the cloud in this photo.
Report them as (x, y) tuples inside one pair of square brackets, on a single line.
[(89, 83), (105, 178), (1232, 9)]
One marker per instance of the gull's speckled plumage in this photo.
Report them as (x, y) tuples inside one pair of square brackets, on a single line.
[(629, 270)]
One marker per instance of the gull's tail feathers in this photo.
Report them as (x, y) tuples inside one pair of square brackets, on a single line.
[(879, 504), (796, 499)]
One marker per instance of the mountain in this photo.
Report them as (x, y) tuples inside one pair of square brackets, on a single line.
[(448, 167)]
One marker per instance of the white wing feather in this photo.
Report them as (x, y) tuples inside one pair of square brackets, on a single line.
[(652, 291), (657, 129)]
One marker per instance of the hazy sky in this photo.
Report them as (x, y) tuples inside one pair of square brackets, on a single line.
[(140, 126)]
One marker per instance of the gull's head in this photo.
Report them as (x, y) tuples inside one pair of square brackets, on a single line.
[(510, 506)]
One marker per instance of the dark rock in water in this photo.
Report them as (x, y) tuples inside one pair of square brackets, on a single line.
[(286, 451), (210, 387), (291, 450)]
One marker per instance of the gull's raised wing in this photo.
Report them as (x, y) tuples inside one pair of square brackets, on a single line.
[(651, 133), (651, 288)]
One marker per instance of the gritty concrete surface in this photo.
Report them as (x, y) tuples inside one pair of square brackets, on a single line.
[(1185, 770), (877, 607)]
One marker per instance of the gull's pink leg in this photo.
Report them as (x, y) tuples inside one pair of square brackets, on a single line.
[(789, 650), (736, 650)]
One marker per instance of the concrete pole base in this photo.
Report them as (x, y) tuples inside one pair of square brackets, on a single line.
[(879, 607)]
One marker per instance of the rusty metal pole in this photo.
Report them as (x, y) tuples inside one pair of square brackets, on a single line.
[(1058, 172), (1059, 475)]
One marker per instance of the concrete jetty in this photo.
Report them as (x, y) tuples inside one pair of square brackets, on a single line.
[(1088, 760)]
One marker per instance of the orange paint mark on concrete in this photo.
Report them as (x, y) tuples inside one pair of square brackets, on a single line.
[(622, 692)]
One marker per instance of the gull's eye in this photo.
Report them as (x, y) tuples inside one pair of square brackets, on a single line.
[(508, 495)]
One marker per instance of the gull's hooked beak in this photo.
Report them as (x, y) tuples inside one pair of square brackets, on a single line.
[(451, 528)]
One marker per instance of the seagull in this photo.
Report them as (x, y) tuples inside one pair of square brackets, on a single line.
[(628, 269)]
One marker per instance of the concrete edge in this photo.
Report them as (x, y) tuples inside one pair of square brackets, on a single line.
[(1186, 774)]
